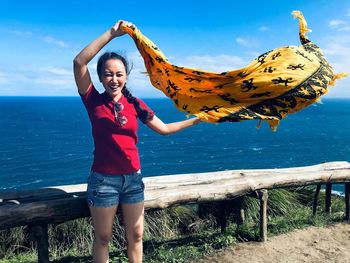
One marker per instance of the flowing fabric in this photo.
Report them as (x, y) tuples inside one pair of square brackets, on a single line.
[(278, 82)]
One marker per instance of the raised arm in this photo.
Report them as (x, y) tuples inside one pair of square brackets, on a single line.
[(168, 128), (81, 72)]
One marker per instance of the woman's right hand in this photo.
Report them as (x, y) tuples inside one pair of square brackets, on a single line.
[(116, 30)]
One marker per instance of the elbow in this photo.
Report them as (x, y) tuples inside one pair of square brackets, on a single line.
[(159, 127), (77, 62), (80, 61), (164, 132)]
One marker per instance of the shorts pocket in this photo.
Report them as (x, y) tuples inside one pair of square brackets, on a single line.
[(95, 179), (138, 178)]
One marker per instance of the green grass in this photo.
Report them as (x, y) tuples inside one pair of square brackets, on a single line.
[(180, 233)]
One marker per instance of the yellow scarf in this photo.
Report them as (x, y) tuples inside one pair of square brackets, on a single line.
[(281, 81)]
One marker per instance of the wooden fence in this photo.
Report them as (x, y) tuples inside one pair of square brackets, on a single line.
[(51, 205)]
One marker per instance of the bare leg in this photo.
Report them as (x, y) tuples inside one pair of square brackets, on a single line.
[(102, 220), (133, 221)]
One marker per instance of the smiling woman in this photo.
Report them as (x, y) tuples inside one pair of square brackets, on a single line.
[(115, 176), (112, 73)]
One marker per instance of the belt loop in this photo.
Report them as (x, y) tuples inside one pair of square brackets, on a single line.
[(125, 178)]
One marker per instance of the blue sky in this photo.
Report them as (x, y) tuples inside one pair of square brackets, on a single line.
[(39, 39)]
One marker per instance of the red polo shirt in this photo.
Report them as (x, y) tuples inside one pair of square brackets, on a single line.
[(115, 150)]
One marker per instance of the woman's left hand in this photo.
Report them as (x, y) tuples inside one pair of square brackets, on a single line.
[(116, 29), (197, 120)]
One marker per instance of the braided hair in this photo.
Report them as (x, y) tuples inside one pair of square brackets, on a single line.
[(143, 114)]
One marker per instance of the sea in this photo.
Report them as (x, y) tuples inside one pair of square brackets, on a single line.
[(46, 141)]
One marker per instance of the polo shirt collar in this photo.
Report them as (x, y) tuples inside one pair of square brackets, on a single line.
[(109, 99)]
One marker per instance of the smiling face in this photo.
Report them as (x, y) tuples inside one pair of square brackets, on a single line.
[(113, 78)]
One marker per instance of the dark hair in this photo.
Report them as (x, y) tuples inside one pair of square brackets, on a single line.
[(111, 55), (143, 114)]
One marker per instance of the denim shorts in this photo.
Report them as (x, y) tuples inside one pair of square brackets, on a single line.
[(110, 190)]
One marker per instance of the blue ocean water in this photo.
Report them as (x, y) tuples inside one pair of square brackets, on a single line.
[(46, 141)]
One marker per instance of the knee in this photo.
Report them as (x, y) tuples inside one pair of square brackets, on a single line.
[(135, 235), (103, 239)]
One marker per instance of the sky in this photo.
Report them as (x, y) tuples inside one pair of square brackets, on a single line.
[(39, 39)]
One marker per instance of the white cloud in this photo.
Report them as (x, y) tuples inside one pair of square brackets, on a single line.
[(53, 81), (33, 78), (244, 42), (335, 49), (51, 40), (338, 55), (3, 78), (339, 25), (263, 28), (241, 41), (345, 28), (46, 39), (57, 71), (22, 33), (247, 42), (336, 23), (53, 76)]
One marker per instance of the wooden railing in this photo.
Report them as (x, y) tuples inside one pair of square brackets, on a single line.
[(40, 207)]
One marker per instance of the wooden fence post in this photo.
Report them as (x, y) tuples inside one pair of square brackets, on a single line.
[(328, 198), (222, 216), (40, 236), (314, 206), (347, 201), (263, 196), (239, 210), (242, 215)]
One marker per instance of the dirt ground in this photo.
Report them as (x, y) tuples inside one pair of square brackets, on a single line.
[(313, 244)]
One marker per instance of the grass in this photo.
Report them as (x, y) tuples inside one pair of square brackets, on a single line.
[(180, 233)]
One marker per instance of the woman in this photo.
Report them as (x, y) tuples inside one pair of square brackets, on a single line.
[(115, 174)]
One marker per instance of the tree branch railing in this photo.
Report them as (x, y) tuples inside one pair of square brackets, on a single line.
[(51, 205)]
